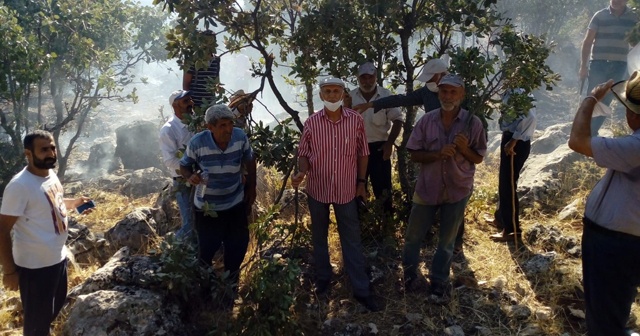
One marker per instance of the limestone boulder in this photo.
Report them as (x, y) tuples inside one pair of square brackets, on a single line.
[(137, 145), (136, 229), (143, 182), (85, 246)]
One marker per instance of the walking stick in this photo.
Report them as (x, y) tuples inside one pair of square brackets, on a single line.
[(513, 202)]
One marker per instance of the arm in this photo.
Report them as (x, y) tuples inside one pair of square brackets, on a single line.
[(387, 148), (169, 151), (410, 99), (250, 186), (362, 173), (462, 145), (303, 168), (587, 44), (9, 268), (580, 138), (186, 80), (72, 203)]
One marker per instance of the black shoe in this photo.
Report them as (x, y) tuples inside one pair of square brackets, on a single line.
[(322, 287), (439, 289), (368, 302)]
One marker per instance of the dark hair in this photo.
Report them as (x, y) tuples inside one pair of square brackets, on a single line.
[(31, 137)]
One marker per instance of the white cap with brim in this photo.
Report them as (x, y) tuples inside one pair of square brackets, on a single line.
[(628, 92), (434, 66), (366, 69), (177, 95), (453, 80), (331, 81)]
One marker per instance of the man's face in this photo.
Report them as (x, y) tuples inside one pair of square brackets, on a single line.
[(450, 97), (183, 106), (618, 4), (331, 93), (222, 130), (43, 155), (367, 82)]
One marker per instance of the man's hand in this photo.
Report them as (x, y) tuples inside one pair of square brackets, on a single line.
[(448, 151), (10, 281), (509, 147), (387, 150), (249, 199), (601, 90), (361, 191), (296, 179), (461, 142), (194, 179), (363, 107)]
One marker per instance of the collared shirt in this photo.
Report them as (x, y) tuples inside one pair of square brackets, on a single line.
[(332, 149), (613, 201), (449, 180), (174, 137), (377, 125), (224, 188), (201, 82), (523, 126), (610, 43), (422, 96)]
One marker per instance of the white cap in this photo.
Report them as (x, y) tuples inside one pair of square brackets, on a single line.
[(177, 95), (434, 66), (453, 80), (331, 81), (366, 68)]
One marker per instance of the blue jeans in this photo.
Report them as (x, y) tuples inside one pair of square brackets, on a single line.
[(349, 231), (611, 276), (601, 71), (421, 219), (185, 203)]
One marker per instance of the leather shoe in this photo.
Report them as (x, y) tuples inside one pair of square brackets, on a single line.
[(322, 287), (506, 237), (368, 302)]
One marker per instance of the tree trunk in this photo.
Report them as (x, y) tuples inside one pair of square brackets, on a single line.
[(406, 169), (309, 88)]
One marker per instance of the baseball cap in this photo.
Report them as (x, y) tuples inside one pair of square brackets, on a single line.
[(628, 92), (366, 68), (432, 67), (453, 80), (331, 81), (177, 95)]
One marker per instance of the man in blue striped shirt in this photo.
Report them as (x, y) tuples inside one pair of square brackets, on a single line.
[(221, 151)]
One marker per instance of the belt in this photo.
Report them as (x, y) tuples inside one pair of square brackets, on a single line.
[(177, 178)]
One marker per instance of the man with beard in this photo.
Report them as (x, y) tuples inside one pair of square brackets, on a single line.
[(221, 212), (448, 142), (379, 138), (333, 152), (35, 260), (174, 137)]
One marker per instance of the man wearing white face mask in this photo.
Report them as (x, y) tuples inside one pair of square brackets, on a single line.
[(380, 139), (427, 96), (333, 152)]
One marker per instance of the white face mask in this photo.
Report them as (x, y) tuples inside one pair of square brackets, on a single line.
[(332, 106), (432, 86)]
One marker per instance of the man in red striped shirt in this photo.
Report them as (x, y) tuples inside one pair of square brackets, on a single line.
[(333, 152)]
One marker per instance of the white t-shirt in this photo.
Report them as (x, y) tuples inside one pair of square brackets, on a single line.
[(40, 232)]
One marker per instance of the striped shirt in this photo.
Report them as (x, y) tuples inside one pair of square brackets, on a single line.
[(201, 82), (610, 42), (224, 188), (332, 149)]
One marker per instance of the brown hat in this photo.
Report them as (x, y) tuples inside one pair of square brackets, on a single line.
[(628, 92), (239, 97)]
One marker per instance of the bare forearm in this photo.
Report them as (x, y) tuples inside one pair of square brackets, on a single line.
[(186, 172), (580, 138), (303, 164), (472, 155), (395, 131), (6, 254), (362, 166)]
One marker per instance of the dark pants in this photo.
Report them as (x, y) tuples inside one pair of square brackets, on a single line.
[(379, 174), (510, 167), (43, 292), (601, 71), (230, 227), (611, 275)]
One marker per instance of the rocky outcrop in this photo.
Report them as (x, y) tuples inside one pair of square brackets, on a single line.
[(137, 228), (137, 145), (135, 183), (85, 246)]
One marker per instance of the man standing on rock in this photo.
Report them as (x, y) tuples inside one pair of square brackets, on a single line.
[(221, 214), (174, 137), (611, 237), (448, 142), (34, 255), (333, 151), (605, 49)]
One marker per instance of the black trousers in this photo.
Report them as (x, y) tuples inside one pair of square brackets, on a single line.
[(42, 292), (230, 227), (510, 167), (379, 174)]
